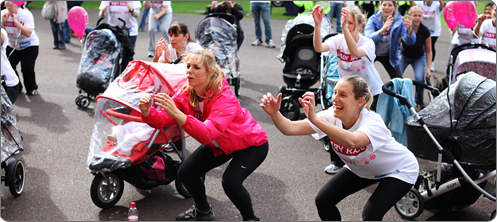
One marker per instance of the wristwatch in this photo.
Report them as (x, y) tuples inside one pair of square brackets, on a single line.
[(132, 10)]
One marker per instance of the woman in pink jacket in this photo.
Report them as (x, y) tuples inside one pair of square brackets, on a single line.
[(209, 112)]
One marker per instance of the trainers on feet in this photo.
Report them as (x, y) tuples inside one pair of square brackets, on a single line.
[(270, 44), (332, 169), (150, 55), (193, 214), (32, 92), (257, 42)]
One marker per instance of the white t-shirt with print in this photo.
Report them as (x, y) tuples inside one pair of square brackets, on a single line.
[(119, 9), (383, 157), (431, 17), (463, 35), (487, 30), (350, 65), (17, 40), (11, 78), (157, 6), (190, 47)]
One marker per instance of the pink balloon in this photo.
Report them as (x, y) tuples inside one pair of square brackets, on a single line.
[(449, 15), (78, 20), (18, 2), (465, 13)]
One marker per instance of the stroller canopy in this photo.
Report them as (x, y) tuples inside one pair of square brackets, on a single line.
[(467, 120), (11, 138), (219, 37), (304, 23)]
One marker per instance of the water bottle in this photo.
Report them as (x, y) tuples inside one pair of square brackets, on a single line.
[(132, 212)]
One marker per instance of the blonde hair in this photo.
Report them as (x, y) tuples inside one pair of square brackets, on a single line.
[(359, 16), (414, 8), (360, 89), (208, 60)]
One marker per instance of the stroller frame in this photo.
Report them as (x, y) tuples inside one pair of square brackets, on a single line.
[(412, 204)]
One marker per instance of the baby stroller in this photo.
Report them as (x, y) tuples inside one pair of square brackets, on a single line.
[(457, 129), (302, 65), (11, 145), (138, 157), (478, 58), (217, 33), (105, 55)]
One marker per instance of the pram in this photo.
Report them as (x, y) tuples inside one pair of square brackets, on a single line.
[(11, 145), (478, 58), (144, 164), (217, 33), (457, 129), (105, 55), (302, 65)]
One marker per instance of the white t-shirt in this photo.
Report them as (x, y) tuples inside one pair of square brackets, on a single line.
[(119, 9), (11, 78), (464, 35), (383, 157), (157, 6), (431, 17), (26, 19), (349, 65), (190, 46), (487, 30)]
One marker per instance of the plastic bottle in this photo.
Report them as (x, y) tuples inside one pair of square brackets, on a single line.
[(132, 212)]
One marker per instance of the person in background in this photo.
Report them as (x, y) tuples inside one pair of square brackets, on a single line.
[(485, 29), (23, 44), (144, 20), (181, 43), (68, 32), (488, 9), (385, 28), (404, 7), (361, 139), (58, 24), (417, 55), (9, 77), (307, 6), (210, 113), (262, 9), (160, 13), (368, 7), (336, 9), (127, 11), (431, 19)]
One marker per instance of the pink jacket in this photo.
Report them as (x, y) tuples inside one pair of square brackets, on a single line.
[(226, 122)]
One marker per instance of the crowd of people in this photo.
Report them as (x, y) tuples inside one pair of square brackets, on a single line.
[(210, 113)]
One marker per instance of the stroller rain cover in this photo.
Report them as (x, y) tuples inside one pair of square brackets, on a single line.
[(11, 137), (139, 79), (470, 132)]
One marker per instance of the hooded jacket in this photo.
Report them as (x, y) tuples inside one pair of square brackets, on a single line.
[(225, 124), (398, 30)]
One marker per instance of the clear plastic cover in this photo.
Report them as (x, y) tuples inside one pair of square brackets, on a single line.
[(118, 105), (472, 103), (98, 61), (219, 37), (11, 137), (304, 18), (481, 61)]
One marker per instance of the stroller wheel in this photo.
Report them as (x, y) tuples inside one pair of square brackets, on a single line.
[(411, 205), (15, 177), (282, 90), (106, 193), (84, 102), (78, 100), (326, 143), (290, 108)]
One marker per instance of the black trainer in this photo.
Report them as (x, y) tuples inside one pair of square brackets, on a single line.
[(193, 214)]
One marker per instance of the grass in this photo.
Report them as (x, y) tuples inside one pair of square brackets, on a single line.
[(199, 7)]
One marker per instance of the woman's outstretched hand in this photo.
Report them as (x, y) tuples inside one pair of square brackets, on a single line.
[(144, 105), (269, 104), (309, 104), (317, 14)]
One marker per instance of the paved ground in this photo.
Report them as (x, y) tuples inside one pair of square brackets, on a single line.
[(57, 134)]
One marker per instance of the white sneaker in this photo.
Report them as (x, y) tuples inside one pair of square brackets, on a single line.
[(332, 169), (432, 67), (257, 42), (270, 44)]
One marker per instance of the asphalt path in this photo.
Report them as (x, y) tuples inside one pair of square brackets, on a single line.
[(57, 134)]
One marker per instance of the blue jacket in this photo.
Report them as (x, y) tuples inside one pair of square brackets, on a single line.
[(392, 111), (398, 30)]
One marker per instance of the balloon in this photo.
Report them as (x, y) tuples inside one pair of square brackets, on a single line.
[(465, 13), (18, 2), (78, 20), (449, 15)]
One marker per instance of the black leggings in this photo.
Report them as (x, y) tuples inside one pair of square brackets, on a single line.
[(243, 163), (392, 72), (433, 41), (389, 191), (27, 58)]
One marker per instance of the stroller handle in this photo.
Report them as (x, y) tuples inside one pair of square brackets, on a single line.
[(100, 19), (402, 99)]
